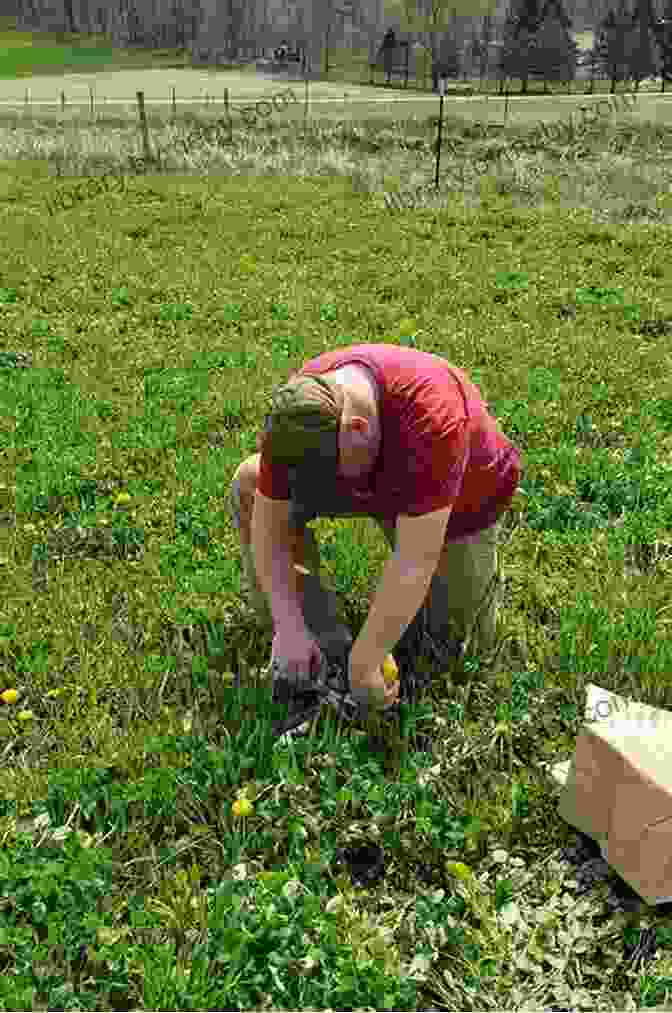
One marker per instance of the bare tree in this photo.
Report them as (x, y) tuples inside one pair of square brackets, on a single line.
[(338, 12)]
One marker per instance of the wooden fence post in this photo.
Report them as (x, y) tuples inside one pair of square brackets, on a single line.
[(228, 114), (143, 126)]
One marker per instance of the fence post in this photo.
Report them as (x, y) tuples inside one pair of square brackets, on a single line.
[(228, 114), (91, 99), (174, 110), (62, 101), (143, 126), (27, 100), (442, 92)]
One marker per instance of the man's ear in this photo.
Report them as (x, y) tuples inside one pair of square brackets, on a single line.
[(359, 425)]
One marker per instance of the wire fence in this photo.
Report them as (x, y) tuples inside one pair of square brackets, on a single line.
[(250, 113), (262, 107), (149, 157), (206, 100)]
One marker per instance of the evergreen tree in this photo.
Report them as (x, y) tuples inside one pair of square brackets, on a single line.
[(445, 60), (555, 54), (479, 51), (615, 44), (538, 44), (662, 33), (645, 59)]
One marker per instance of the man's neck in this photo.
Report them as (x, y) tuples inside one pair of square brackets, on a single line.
[(363, 393)]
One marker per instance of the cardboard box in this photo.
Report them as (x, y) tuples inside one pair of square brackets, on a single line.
[(618, 789)]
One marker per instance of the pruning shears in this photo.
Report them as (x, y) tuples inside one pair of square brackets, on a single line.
[(329, 687)]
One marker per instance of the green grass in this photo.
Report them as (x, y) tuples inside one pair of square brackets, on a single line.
[(144, 316)]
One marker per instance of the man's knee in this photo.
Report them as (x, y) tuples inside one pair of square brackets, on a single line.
[(247, 473), (243, 486)]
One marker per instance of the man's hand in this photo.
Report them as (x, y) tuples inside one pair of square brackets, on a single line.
[(297, 654), (370, 688)]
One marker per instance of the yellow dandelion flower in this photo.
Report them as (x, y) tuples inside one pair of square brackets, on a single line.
[(390, 670), (247, 262), (25, 715), (459, 870), (242, 807), (9, 696), (407, 326)]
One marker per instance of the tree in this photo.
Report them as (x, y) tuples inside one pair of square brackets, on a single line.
[(127, 21), (644, 61), (223, 25), (441, 27), (661, 28), (614, 44), (663, 35), (555, 55), (484, 47), (446, 60), (337, 11), (538, 44)]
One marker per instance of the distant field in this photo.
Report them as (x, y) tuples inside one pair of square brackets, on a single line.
[(75, 64), (203, 90), (26, 53)]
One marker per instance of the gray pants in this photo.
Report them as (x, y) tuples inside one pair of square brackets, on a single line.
[(463, 596)]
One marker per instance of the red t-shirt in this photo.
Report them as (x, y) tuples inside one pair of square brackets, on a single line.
[(440, 446)]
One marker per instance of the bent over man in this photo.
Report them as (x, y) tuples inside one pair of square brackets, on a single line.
[(404, 437)]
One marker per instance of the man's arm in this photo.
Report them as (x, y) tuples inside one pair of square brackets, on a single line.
[(407, 575), (274, 548)]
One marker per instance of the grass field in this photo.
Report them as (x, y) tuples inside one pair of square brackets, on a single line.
[(145, 313)]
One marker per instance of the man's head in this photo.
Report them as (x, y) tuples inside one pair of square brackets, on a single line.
[(320, 429), (317, 415)]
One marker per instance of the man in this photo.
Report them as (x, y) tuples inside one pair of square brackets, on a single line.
[(387, 432)]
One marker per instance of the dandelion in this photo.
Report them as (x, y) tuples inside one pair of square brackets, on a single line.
[(25, 715), (460, 871), (242, 807), (407, 326), (390, 670), (9, 696), (247, 262), (122, 497)]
